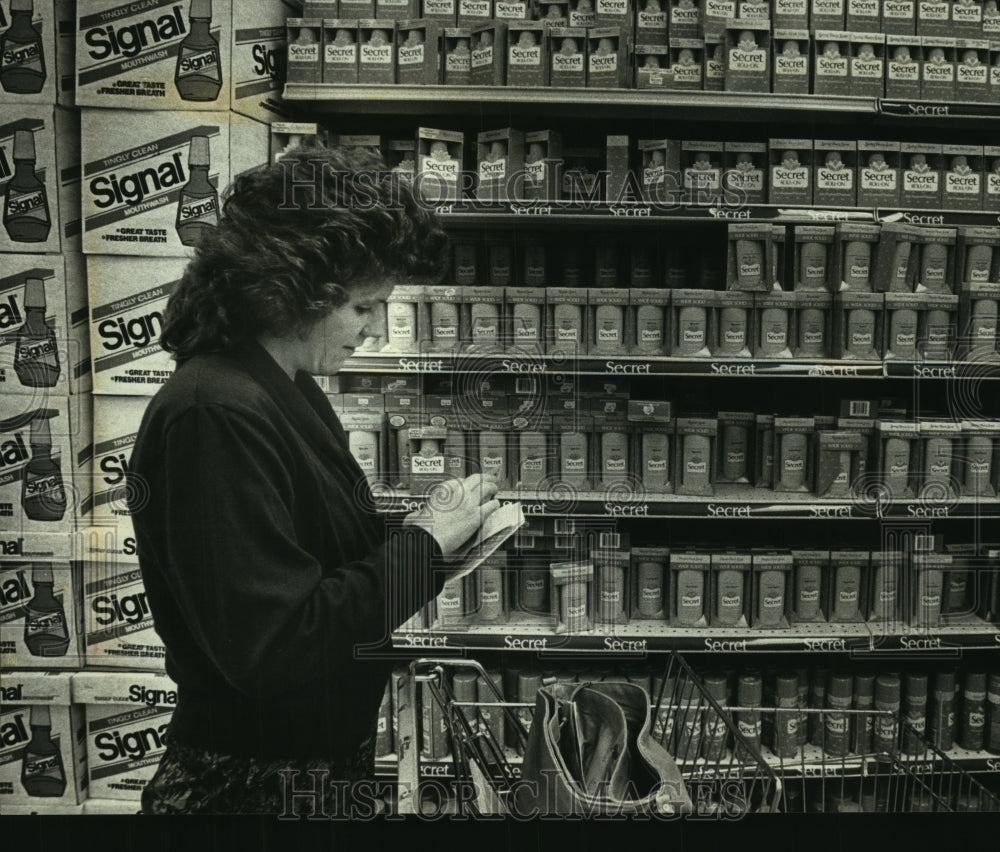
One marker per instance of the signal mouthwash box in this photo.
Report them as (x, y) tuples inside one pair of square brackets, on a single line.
[(153, 55), (40, 614), (258, 47), (127, 718), (43, 758), (28, 46), (29, 180), (128, 297)]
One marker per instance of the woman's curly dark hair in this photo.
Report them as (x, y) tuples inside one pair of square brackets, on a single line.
[(284, 255)]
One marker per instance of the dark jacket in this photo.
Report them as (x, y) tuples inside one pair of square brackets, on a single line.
[(272, 580)]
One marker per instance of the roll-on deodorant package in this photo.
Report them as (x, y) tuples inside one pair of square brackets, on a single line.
[(691, 315), (685, 18), (791, 163), (735, 446), (813, 323), (651, 66), (499, 157), (748, 54), (854, 256), (774, 324), (690, 573), (811, 570), (701, 167), (744, 172), (835, 166), (857, 326), (937, 68), (831, 65), (567, 56), (813, 257), (878, 173), (848, 585), (939, 464), (902, 72), (647, 331), (571, 595), (902, 322), (868, 60), (790, 65), (659, 165), (695, 452), (964, 169), (653, 444), (542, 160), (439, 160), (528, 54), (418, 51), (772, 589), (922, 167), (489, 45), (607, 57), (648, 583), (734, 325), (981, 447), (730, 589), (748, 258), (793, 453)]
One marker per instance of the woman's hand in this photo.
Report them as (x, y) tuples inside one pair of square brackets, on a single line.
[(456, 509)]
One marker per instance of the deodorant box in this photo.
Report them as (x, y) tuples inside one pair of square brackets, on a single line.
[(660, 169), (46, 444), (926, 590), (935, 271), (774, 321), (972, 70), (407, 322), (440, 155), (966, 19), (849, 583), (653, 445), (835, 182), (565, 321), (854, 255), (127, 721), (609, 591), (764, 451), (418, 52), (457, 55), (474, 12), (897, 258), (878, 173), (528, 54), (648, 586), (939, 463), (715, 63), (568, 55), (396, 10), (730, 589), (687, 63), (899, 17), (864, 16), (790, 171), (167, 58), (542, 162), (701, 164), (748, 257), (813, 256), (936, 337), (937, 69), (652, 66), (690, 580), (650, 24), (902, 73), (607, 320), (489, 603), (977, 321), (499, 156), (857, 326), (735, 457), (813, 325), (885, 592), (868, 61), (933, 18), (791, 14), (771, 603), (811, 571), (41, 607), (980, 463), (613, 12), (43, 755), (340, 50), (842, 456), (978, 261), (524, 312), (44, 347), (444, 12), (356, 8), (745, 166), (691, 319), (489, 53), (831, 69), (748, 55), (791, 61), (733, 327), (898, 456), (794, 456), (714, 16), (695, 461), (922, 169), (571, 584), (685, 19), (607, 58), (963, 177)]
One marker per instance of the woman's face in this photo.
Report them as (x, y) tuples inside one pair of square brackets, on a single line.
[(328, 343)]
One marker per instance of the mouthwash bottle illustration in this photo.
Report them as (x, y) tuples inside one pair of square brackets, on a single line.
[(22, 58), (198, 207), (36, 357), (199, 66), (42, 771), (45, 630), (42, 495), (26, 205)]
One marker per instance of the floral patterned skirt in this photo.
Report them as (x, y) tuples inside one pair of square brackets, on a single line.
[(196, 781)]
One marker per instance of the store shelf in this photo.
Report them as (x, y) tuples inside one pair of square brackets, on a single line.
[(525, 632), (572, 102), (937, 218), (729, 501), (927, 110)]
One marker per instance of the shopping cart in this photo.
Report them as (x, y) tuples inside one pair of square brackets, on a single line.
[(728, 777)]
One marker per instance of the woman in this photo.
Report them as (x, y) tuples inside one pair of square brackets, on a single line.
[(272, 579)]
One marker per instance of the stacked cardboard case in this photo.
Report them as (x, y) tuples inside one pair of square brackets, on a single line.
[(122, 125)]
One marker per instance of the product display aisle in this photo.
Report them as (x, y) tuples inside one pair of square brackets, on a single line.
[(721, 316)]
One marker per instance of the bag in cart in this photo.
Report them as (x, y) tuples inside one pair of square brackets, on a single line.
[(590, 752)]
